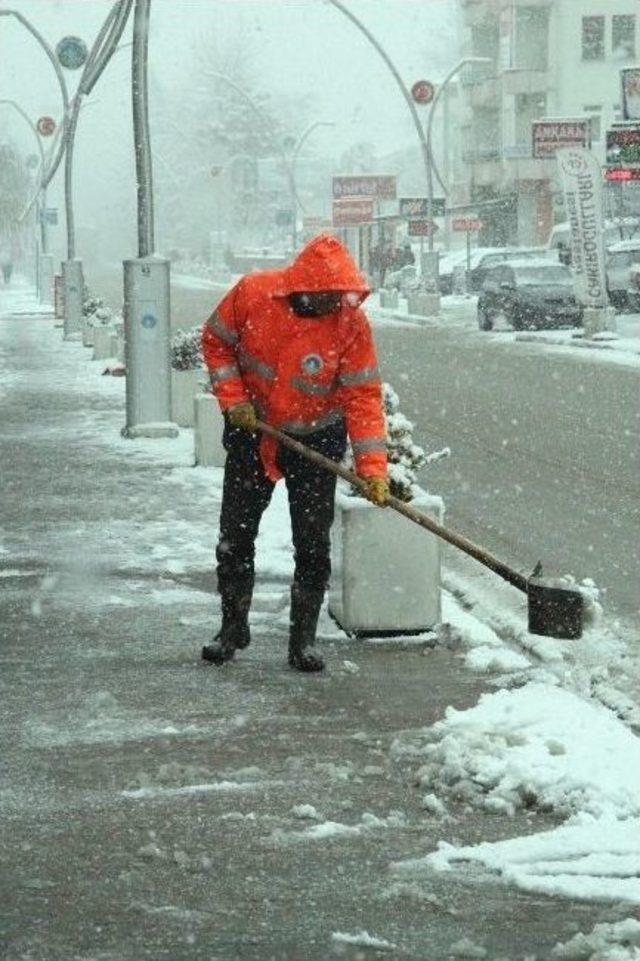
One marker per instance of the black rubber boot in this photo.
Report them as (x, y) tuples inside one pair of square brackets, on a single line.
[(305, 610), (234, 630)]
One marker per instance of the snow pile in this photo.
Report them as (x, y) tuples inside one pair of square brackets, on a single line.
[(363, 940), (607, 942), (539, 747), (465, 948)]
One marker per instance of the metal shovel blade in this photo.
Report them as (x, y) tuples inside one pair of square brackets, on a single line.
[(554, 611)]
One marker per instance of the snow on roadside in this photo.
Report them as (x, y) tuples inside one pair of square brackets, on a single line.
[(363, 939), (539, 747), (607, 942), (326, 830), (600, 665)]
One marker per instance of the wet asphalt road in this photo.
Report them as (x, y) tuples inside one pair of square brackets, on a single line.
[(546, 445)]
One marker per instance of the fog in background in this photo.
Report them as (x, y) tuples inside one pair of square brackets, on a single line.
[(302, 59)]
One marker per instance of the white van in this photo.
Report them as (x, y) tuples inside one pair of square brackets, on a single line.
[(621, 258), (622, 228)]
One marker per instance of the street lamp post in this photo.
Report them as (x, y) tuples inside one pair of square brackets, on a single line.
[(44, 277), (45, 261), (427, 157), (277, 146), (101, 52), (296, 153), (431, 264), (146, 277), (103, 48)]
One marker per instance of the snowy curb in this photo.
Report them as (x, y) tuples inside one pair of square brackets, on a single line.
[(536, 338)]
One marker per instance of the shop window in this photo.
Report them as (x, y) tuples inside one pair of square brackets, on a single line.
[(623, 37), (593, 38)]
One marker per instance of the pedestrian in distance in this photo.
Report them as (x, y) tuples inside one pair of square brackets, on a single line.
[(7, 249), (293, 348)]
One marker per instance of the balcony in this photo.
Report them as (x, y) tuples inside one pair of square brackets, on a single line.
[(519, 81), (480, 155), (484, 93)]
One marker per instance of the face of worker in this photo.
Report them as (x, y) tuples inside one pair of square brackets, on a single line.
[(309, 303)]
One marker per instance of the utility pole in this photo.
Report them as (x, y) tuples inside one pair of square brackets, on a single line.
[(146, 278), (432, 257)]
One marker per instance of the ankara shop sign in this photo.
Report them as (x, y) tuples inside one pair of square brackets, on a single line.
[(549, 136), (352, 212), (582, 185), (376, 186)]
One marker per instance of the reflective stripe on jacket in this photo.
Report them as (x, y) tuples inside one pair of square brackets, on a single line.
[(302, 373)]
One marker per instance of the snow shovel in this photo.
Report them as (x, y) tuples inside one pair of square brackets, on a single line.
[(554, 611)]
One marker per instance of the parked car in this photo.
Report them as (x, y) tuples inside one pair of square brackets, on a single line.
[(529, 293), (621, 257), (484, 259), (447, 264)]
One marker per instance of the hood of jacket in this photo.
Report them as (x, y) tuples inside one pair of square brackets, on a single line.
[(323, 264)]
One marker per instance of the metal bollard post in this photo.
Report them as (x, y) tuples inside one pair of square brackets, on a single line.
[(45, 279), (73, 287), (148, 348)]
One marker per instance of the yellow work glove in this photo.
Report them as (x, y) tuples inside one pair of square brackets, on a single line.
[(376, 490), (243, 416)]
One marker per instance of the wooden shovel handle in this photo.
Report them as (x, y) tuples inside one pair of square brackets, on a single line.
[(418, 517)]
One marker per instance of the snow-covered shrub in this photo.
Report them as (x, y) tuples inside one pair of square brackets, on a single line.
[(91, 304), (404, 457), (101, 317), (186, 349)]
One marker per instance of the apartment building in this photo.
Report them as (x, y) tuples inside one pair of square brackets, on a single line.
[(549, 58)]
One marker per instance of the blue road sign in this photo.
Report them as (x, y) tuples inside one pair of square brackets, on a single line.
[(72, 52)]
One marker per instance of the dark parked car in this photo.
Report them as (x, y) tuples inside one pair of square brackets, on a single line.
[(529, 294), (483, 259)]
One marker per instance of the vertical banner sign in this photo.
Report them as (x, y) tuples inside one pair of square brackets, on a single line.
[(582, 186)]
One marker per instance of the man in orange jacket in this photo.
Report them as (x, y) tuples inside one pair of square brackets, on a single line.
[(293, 348)]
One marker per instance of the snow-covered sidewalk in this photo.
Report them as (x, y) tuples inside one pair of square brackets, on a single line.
[(220, 789)]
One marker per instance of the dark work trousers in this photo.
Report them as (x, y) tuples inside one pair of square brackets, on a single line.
[(247, 492)]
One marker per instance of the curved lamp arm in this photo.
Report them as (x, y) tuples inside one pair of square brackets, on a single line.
[(429, 164), (43, 163)]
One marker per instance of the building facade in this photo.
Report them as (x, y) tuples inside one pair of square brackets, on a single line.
[(548, 58)]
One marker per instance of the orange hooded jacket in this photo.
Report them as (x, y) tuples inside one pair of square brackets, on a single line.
[(301, 373)]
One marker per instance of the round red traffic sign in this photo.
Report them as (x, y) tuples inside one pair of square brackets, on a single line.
[(423, 91), (46, 126)]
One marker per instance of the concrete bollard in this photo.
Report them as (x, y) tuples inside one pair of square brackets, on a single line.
[(209, 425), (388, 299), (102, 342)]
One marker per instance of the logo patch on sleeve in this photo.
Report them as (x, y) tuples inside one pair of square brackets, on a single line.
[(312, 364)]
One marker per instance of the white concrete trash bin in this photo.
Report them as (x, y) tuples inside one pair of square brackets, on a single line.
[(209, 425), (423, 305), (102, 342), (385, 569), (388, 299), (185, 384), (87, 333)]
